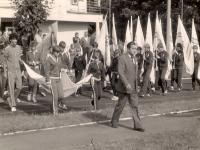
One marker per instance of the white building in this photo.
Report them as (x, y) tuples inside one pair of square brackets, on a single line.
[(72, 16)]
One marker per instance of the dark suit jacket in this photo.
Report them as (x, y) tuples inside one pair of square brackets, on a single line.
[(127, 74)]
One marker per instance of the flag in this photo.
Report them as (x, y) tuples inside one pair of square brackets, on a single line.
[(103, 42), (114, 35), (127, 37), (194, 41), (68, 86), (182, 37), (139, 35), (131, 28), (149, 40), (171, 45), (97, 30)]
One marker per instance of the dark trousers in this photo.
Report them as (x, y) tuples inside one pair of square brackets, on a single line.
[(161, 79), (57, 93), (133, 103), (146, 82), (78, 76), (114, 79), (176, 75), (195, 79), (97, 91)]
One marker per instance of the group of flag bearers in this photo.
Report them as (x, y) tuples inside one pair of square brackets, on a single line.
[(154, 63)]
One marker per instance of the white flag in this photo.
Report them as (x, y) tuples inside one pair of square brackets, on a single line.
[(149, 40), (139, 35), (182, 37), (114, 35), (127, 37)]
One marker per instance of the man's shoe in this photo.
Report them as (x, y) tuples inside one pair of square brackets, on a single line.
[(139, 129), (13, 109), (172, 88), (114, 125), (43, 94), (142, 95), (34, 99), (18, 100), (62, 106)]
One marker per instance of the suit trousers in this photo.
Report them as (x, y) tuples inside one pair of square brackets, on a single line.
[(133, 103), (176, 75), (14, 78), (57, 93), (161, 79)]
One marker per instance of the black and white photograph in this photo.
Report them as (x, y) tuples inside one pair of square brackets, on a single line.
[(99, 75)]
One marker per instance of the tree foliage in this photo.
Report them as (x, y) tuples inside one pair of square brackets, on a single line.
[(123, 9), (30, 14)]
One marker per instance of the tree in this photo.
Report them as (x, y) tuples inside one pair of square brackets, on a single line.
[(30, 14), (123, 9)]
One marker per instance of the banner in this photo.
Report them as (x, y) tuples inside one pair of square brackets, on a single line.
[(114, 35), (127, 37)]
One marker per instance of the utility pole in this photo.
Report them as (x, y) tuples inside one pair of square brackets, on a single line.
[(168, 22)]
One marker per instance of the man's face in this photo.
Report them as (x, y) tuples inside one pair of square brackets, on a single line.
[(195, 49), (147, 48), (76, 35), (56, 54), (13, 42), (133, 50)]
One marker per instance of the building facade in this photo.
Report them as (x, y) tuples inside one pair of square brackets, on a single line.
[(71, 15)]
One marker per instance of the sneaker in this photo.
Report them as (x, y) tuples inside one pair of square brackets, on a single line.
[(142, 95), (172, 88), (18, 100), (13, 109), (179, 89), (153, 89), (62, 106), (29, 97), (34, 99), (148, 95), (114, 98), (43, 94), (165, 92)]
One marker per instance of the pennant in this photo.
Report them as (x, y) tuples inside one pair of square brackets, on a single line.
[(182, 37), (139, 35), (114, 35), (149, 40), (127, 37)]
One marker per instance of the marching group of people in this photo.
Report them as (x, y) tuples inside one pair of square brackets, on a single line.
[(129, 71)]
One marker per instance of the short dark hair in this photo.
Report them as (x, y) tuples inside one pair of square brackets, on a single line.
[(62, 44), (56, 48), (179, 45), (13, 36), (95, 44), (129, 44)]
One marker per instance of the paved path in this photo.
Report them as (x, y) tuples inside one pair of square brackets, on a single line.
[(80, 137)]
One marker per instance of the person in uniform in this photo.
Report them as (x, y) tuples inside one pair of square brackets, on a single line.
[(148, 64), (114, 73), (79, 65), (53, 69), (162, 57), (13, 54), (177, 67), (140, 60), (196, 67), (33, 60), (96, 68), (127, 88), (85, 44)]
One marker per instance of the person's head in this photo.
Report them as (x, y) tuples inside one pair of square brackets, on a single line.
[(160, 47), (56, 50), (13, 39), (139, 50), (131, 48), (44, 36), (147, 47), (179, 47), (95, 45), (33, 45), (39, 32), (195, 48), (77, 35), (62, 46), (96, 55), (86, 34)]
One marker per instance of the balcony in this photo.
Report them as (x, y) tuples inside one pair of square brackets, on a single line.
[(94, 6)]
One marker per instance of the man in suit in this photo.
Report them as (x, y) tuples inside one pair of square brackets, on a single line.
[(127, 87)]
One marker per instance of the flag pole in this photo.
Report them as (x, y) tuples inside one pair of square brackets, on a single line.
[(168, 22)]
